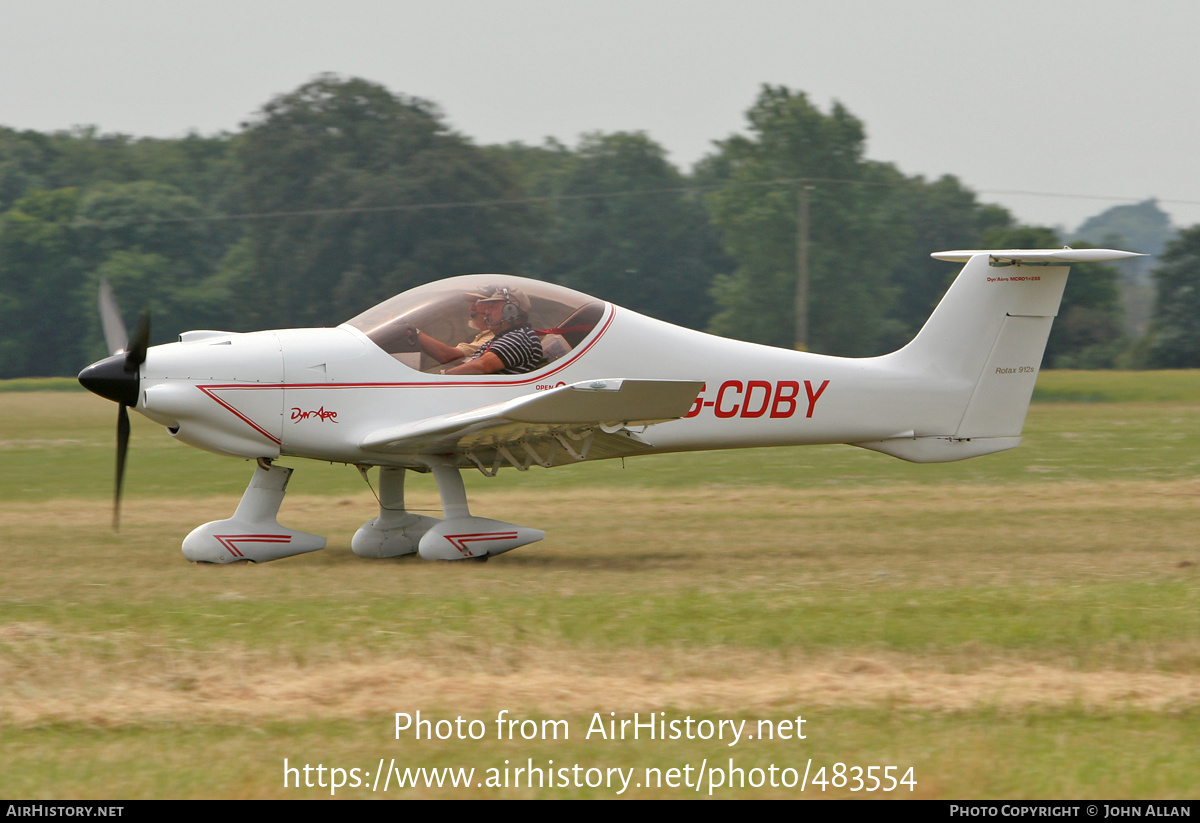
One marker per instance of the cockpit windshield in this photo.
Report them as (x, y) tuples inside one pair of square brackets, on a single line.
[(434, 327)]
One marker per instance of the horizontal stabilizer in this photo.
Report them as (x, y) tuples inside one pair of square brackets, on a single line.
[(1064, 256), (608, 403)]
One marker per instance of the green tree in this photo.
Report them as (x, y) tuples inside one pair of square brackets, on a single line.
[(1174, 340), (367, 166), (83, 158), (201, 167), (55, 247), (623, 229), (153, 243), (940, 215), (853, 234), (41, 270), (542, 170), (25, 160), (148, 215)]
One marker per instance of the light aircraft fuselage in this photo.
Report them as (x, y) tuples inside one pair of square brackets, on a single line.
[(611, 383)]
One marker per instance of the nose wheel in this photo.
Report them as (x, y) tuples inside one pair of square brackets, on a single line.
[(253, 533)]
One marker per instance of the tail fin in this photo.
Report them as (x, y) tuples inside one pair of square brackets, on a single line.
[(987, 336)]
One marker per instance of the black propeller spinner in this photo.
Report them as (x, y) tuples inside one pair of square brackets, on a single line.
[(117, 378)]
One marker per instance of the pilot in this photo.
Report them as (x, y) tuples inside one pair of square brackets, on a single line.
[(506, 344), (515, 348)]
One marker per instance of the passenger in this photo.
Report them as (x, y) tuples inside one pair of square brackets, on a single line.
[(444, 353), (513, 348)]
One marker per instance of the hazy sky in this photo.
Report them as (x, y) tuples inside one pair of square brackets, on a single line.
[(1093, 99)]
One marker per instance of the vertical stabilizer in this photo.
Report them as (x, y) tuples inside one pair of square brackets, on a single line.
[(984, 342)]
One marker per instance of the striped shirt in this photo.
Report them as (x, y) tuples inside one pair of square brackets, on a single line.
[(519, 350)]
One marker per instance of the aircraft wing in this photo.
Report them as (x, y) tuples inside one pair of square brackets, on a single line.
[(560, 425)]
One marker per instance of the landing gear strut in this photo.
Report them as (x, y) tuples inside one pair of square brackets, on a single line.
[(396, 531), (458, 536), (253, 533)]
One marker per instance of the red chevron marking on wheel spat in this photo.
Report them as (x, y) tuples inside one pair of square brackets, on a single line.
[(461, 541), (230, 541)]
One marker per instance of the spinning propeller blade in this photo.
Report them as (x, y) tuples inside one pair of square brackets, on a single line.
[(122, 449), (135, 351), (115, 336), (117, 376), (135, 356)]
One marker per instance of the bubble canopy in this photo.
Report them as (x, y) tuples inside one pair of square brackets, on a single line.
[(561, 317)]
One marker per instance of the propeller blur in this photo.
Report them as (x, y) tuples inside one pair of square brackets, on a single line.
[(116, 377)]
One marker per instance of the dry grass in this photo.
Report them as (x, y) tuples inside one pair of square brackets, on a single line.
[(222, 688), (120, 671)]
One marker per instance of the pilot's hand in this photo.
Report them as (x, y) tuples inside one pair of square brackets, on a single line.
[(411, 335)]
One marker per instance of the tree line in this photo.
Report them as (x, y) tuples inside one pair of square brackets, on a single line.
[(341, 193)]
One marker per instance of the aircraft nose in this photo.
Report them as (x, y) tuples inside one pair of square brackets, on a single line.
[(110, 379)]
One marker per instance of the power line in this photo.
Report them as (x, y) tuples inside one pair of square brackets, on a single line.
[(464, 204), (1108, 198), (520, 201)]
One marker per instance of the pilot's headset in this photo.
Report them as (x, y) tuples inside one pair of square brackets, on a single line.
[(511, 310)]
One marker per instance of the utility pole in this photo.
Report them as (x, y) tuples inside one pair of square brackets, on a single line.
[(802, 270)]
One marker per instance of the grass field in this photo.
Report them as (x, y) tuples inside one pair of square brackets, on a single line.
[(1022, 625)]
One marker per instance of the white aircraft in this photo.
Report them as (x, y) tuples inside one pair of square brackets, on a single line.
[(389, 389)]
